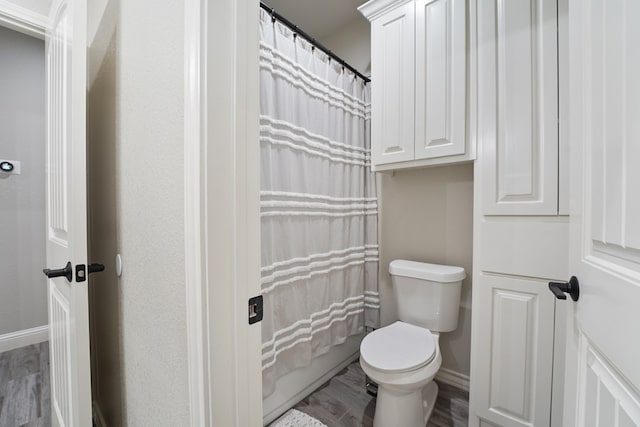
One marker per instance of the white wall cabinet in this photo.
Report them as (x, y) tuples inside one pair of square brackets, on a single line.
[(440, 86), (521, 238), (393, 96), (514, 347), (517, 349), (420, 83), (518, 106)]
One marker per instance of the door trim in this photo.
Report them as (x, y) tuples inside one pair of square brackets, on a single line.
[(222, 221), (194, 215), (21, 19)]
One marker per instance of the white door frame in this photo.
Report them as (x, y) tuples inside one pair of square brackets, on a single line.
[(222, 223), (194, 146), (21, 19)]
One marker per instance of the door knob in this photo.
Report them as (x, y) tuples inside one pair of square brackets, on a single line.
[(67, 272), (572, 287)]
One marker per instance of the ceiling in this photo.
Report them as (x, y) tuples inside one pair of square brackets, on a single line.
[(318, 18)]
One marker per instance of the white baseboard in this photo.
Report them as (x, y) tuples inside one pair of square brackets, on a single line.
[(23, 338), (98, 418), (453, 378)]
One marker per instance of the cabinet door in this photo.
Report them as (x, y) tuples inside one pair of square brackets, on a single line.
[(392, 95), (440, 78), (512, 360), (518, 106)]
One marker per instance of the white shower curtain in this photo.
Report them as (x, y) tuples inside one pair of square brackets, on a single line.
[(318, 204)]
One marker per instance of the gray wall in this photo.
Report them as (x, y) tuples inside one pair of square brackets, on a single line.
[(353, 43), (136, 187), (425, 215), (23, 291)]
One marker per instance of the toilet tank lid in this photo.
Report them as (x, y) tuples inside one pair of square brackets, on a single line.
[(425, 271)]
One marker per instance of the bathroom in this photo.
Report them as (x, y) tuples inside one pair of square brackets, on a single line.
[(174, 175), (470, 142), (424, 214)]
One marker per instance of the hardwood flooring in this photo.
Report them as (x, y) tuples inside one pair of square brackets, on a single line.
[(343, 402), (24, 387)]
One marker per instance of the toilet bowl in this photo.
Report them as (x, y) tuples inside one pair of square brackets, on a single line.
[(404, 357)]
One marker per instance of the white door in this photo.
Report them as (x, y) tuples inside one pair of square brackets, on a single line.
[(603, 355), (66, 213)]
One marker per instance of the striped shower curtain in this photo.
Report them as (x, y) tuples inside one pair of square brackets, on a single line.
[(318, 204)]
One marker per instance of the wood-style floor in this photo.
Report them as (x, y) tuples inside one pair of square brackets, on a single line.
[(344, 402), (340, 402), (24, 387)]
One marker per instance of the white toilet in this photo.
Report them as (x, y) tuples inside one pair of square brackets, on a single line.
[(403, 358)]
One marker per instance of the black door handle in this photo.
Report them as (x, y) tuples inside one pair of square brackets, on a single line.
[(82, 271), (67, 272), (572, 287), (95, 268)]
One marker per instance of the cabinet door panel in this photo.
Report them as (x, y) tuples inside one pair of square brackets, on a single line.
[(513, 347), (440, 78), (518, 106), (392, 95)]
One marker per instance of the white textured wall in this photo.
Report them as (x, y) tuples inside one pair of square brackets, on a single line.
[(23, 290), (425, 215), (136, 151), (151, 211)]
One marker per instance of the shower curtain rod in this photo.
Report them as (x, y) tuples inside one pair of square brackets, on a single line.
[(276, 16)]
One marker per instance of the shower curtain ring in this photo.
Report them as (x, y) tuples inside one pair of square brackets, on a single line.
[(273, 15)]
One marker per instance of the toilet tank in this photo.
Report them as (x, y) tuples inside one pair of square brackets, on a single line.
[(427, 295)]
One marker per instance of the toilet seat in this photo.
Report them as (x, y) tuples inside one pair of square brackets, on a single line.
[(399, 347)]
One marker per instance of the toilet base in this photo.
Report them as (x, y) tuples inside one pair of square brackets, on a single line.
[(396, 407), (429, 396)]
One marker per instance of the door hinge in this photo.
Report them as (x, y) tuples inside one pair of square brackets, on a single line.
[(255, 309)]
